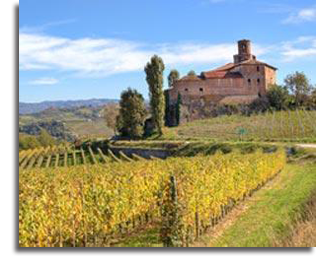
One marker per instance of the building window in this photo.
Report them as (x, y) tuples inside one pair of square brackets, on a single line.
[(258, 69), (258, 81), (249, 81), (201, 89), (186, 89)]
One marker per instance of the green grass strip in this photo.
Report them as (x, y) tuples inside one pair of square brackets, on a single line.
[(137, 157), (104, 159), (65, 158), (94, 161), (113, 157), (124, 157), (48, 161), (83, 156), (270, 218), (56, 160)]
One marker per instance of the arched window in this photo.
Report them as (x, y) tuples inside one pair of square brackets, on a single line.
[(201, 89), (186, 89), (258, 69), (258, 81), (249, 81)]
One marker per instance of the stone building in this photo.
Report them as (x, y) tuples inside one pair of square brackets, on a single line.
[(240, 82)]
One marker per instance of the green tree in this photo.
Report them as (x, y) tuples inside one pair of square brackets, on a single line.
[(154, 77), (178, 109), (298, 84), (191, 73), (167, 107), (28, 142), (172, 77), (132, 114), (45, 139), (110, 113), (278, 97), (313, 98)]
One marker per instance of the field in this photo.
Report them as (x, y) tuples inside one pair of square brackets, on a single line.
[(98, 204), (292, 126), (57, 156), (90, 197), (82, 122)]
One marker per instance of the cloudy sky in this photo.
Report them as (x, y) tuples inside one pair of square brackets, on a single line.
[(81, 49)]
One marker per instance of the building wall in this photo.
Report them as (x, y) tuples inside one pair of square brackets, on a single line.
[(231, 86), (270, 77), (256, 80), (200, 96)]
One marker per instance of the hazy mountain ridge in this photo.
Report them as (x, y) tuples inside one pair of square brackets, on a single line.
[(31, 108)]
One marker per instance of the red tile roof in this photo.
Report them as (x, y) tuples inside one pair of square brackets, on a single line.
[(225, 67), (255, 62), (221, 74)]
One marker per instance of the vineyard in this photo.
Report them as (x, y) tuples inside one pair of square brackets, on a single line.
[(96, 205), (56, 156), (298, 125)]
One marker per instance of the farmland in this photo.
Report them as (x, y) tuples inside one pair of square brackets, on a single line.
[(89, 196), (283, 126), (60, 207)]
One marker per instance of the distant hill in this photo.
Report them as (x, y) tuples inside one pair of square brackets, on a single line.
[(68, 123), (31, 108)]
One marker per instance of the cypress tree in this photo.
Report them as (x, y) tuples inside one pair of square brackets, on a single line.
[(178, 108), (154, 77)]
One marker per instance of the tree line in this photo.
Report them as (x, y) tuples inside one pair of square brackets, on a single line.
[(296, 92), (44, 139)]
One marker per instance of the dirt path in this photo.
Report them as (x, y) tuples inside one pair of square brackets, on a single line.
[(313, 146)]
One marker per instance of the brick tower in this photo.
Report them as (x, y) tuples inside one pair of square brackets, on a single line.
[(244, 52)]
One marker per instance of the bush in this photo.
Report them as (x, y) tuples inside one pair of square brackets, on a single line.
[(278, 97)]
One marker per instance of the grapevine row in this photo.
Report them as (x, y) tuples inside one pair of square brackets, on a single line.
[(92, 206)]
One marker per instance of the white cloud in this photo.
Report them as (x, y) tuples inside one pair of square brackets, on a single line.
[(303, 15), (302, 47), (44, 81), (103, 57)]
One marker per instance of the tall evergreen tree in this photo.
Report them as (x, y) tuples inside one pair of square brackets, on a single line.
[(172, 77), (154, 77), (167, 108), (178, 109), (132, 114)]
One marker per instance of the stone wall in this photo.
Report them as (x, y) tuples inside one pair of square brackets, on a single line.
[(145, 153)]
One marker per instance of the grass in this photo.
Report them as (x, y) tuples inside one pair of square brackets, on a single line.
[(147, 238), (270, 219), (148, 144), (304, 232)]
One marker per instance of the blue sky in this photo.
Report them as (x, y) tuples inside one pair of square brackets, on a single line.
[(82, 49)]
